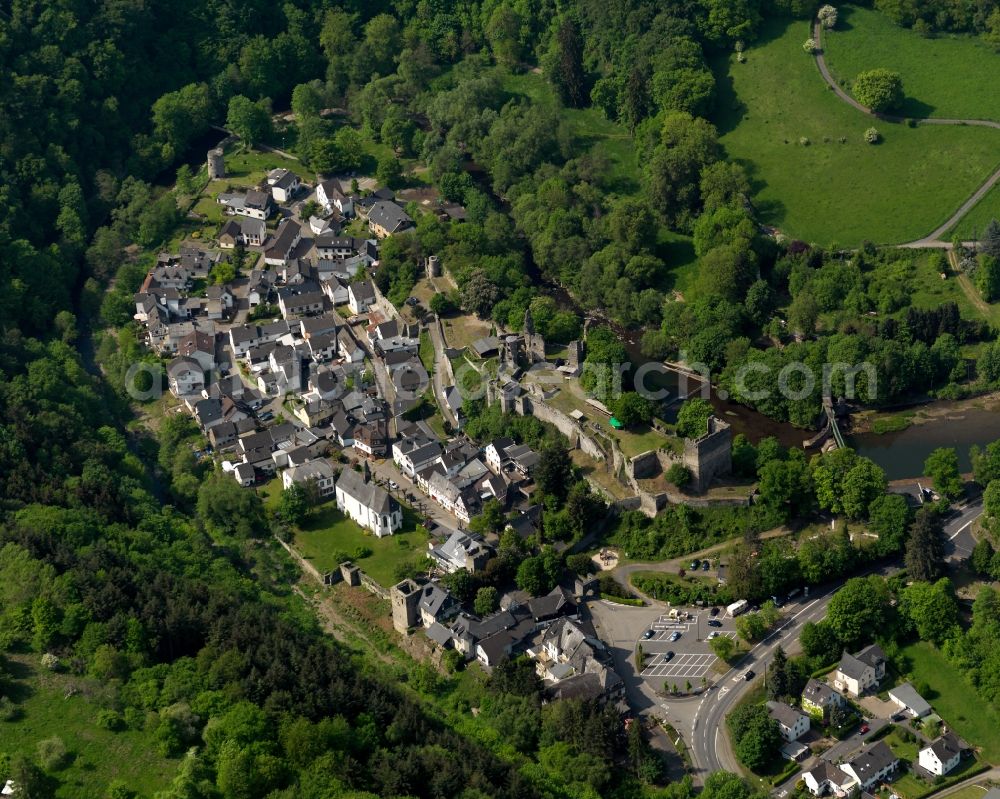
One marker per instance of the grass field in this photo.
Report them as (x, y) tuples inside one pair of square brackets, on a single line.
[(327, 535), (948, 76), (972, 224), (955, 700), (831, 192), (58, 704)]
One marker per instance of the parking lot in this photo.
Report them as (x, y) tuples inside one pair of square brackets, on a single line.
[(693, 657)]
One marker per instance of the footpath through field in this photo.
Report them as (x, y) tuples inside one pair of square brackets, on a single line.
[(932, 239)]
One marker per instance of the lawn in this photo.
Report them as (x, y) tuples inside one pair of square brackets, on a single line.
[(248, 168), (58, 704), (836, 188), (971, 225), (928, 290), (327, 535), (904, 750), (955, 700), (948, 76)]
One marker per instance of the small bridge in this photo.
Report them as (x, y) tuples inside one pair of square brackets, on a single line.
[(832, 421)]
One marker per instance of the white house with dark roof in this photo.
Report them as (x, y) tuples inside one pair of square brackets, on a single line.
[(871, 766), (858, 673), (792, 723), (368, 504), (941, 756), (825, 778), (185, 377), (317, 473), (284, 183), (360, 296), (286, 239)]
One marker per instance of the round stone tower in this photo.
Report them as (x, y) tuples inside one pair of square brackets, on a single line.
[(216, 164)]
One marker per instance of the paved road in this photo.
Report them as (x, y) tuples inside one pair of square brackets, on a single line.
[(958, 530), (710, 749), (932, 239)]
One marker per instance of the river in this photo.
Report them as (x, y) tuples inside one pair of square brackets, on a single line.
[(959, 425)]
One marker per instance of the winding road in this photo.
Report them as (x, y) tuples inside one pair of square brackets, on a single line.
[(709, 742), (932, 239)]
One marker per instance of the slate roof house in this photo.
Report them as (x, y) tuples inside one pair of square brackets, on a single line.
[(286, 239), (368, 504), (792, 723), (284, 183), (818, 699), (386, 218), (870, 766), (318, 473), (360, 295), (247, 231), (858, 673), (941, 756), (460, 551)]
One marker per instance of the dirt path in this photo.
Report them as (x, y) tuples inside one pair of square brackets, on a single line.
[(970, 291), (932, 239)]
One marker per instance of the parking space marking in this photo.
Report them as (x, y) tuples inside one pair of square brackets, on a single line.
[(685, 665)]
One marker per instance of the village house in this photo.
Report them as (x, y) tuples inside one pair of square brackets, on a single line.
[(858, 673), (413, 454), (436, 604), (284, 183), (329, 195), (316, 475), (871, 766), (247, 231), (792, 724), (368, 504), (296, 301), (825, 778), (941, 756), (385, 218), (460, 551), (259, 286), (574, 659), (818, 699), (185, 376), (255, 204), (244, 474), (331, 247), (286, 239), (360, 296)]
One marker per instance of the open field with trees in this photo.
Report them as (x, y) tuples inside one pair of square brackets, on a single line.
[(815, 176), (950, 75)]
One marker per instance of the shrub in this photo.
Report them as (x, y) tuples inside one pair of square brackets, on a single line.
[(50, 661), (872, 136), (804, 141), (110, 720), (678, 475), (810, 46), (879, 89), (8, 710), (52, 754)]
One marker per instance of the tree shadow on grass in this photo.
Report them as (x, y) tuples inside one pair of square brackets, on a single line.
[(916, 109)]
